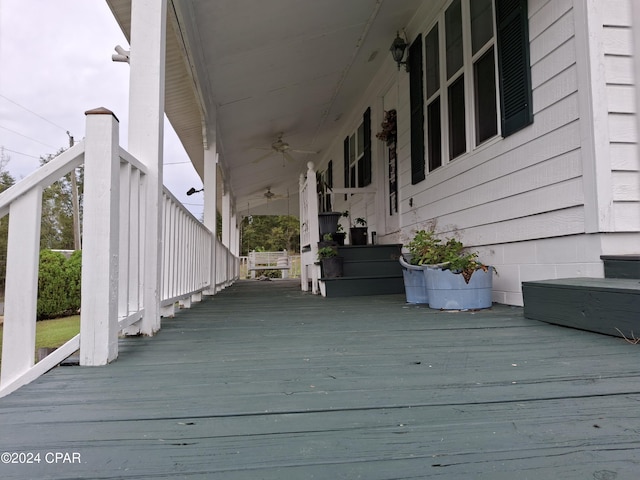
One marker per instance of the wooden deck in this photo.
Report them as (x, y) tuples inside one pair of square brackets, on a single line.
[(266, 382)]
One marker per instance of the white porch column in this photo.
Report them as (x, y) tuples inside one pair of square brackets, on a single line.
[(210, 206), (226, 218), (233, 241), (146, 121), (100, 242)]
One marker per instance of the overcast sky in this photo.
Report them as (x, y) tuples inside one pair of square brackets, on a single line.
[(55, 64)]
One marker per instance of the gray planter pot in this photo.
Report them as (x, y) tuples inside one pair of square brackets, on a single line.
[(328, 222), (449, 291), (415, 282), (332, 267)]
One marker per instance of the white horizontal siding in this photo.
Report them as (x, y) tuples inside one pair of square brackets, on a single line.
[(626, 187), (617, 13), (617, 48)]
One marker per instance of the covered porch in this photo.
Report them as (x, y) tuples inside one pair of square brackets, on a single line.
[(266, 381)]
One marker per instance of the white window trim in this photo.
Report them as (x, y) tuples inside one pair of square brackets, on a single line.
[(467, 70)]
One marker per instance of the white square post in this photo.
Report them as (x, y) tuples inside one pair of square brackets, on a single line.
[(100, 259)]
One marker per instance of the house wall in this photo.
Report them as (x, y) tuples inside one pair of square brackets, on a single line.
[(547, 201), (617, 56)]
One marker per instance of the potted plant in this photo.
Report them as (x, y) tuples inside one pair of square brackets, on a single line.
[(330, 261), (327, 221), (339, 235), (423, 251), (359, 232), (462, 282)]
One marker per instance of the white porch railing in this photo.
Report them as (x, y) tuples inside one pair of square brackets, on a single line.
[(309, 230), (186, 266), (114, 237)]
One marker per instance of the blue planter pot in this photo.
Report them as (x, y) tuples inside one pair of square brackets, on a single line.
[(415, 283), (449, 291)]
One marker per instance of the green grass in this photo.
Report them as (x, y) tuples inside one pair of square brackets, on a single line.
[(53, 333)]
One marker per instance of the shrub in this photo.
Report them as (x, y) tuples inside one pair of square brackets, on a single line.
[(58, 284)]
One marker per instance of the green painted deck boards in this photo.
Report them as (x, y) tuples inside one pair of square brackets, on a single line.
[(266, 382)]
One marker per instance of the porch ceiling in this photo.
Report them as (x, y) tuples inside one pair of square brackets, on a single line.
[(266, 68)]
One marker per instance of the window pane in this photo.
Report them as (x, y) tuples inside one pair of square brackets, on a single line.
[(485, 97), (457, 136), (453, 35), (481, 23), (433, 61), (434, 134)]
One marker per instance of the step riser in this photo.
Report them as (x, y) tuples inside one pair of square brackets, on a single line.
[(360, 287), (371, 268), (608, 306), (370, 252), (621, 266)]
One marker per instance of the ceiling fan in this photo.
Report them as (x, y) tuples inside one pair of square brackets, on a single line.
[(279, 146), (269, 195)]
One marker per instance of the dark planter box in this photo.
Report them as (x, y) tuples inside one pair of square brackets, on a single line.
[(359, 235), (332, 267), (328, 222)]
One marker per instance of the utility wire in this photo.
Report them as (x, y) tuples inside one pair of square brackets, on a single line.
[(34, 113), (25, 136), (20, 153)]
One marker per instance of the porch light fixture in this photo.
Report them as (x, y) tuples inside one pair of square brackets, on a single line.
[(397, 51), (192, 190)]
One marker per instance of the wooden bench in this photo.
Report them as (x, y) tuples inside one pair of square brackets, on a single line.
[(269, 261)]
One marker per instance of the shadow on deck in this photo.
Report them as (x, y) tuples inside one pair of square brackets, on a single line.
[(266, 382)]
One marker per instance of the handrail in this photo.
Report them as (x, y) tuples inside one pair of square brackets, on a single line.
[(114, 240), (23, 201), (186, 253)]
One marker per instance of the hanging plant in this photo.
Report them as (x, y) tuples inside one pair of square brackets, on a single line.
[(389, 127)]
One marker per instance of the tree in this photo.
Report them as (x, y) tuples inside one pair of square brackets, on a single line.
[(6, 181), (270, 233), (57, 211)]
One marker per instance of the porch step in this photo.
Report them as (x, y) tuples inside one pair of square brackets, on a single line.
[(601, 305), (368, 270), (621, 266), (360, 286)]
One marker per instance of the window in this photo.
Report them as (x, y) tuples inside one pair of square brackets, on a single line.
[(476, 58), (357, 155)]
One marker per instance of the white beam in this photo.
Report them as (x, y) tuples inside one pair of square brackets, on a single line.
[(146, 121), (210, 205)]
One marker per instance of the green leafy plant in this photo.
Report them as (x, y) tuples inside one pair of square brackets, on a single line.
[(360, 222), (327, 252), (425, 248), (58, 284)]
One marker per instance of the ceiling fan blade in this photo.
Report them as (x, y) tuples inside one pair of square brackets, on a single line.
[(259, 159), (311, 152), (288, 157)]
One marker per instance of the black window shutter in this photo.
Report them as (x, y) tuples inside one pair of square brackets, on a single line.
[(346, 164), (328, 205), (513, 65), (366, 159), (416, 100)]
